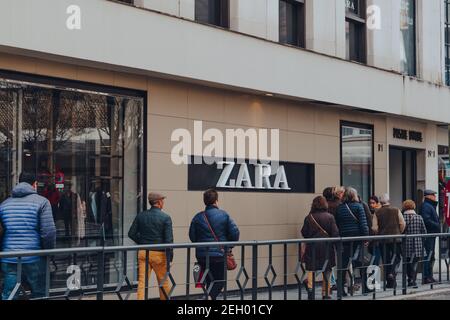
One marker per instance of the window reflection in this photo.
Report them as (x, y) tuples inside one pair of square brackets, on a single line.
[(79, 144), (357, 159)]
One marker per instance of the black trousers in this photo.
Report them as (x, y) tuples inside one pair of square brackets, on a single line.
[(411, 269), (352, 254), (216, 275), (387, 254)]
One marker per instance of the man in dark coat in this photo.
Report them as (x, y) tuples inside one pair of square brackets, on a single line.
[(153, 227), (320, 224), (431, 218), (213, 225)]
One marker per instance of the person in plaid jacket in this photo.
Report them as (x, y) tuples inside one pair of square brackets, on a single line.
[(414, 247)]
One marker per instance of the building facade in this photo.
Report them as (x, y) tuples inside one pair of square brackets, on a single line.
[(91, 92)]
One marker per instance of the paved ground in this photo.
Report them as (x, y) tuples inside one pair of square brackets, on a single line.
[(423, 292)]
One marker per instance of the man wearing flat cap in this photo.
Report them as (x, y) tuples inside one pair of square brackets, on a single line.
[(431, 218), (153, 227)]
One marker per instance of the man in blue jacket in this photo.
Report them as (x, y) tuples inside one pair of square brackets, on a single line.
[(28, 224), (431, 218), (207, 226)]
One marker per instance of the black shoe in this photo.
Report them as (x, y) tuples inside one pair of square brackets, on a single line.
[(391, 283), (429, 280), (334, 288), (327, 298), (414, 285)]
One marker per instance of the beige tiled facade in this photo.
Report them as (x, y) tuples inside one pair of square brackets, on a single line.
[(309, 133)]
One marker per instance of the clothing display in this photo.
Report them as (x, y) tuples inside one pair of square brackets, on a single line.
[(100, 210), (74, 214)]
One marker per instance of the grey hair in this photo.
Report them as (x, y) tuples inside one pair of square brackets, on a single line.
[(350, 195), (384, 199)]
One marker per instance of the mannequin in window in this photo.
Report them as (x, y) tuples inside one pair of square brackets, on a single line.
[(53, 197), (104, 208)]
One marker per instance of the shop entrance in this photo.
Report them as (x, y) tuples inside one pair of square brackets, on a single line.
[(406, 168)]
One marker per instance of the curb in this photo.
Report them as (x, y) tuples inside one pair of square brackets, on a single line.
[(419, 294)]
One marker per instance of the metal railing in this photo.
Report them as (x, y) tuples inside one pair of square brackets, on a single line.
[(261, 281)]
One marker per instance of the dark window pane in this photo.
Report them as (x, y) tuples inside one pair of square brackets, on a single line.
[(355, 41), (408, 37), (291, 23), (352, 6), (212, 12)]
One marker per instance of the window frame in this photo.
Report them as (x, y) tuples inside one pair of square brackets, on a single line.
[(44, 80), (415, 72), (363, 126), (359, 21), (224, 14), (300, 27)]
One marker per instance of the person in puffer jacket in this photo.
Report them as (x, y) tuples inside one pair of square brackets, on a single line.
[(352, 222), (224, 228), (28, 224)]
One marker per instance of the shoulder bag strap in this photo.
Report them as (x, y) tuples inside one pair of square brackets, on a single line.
[(351, 212), (209, 226), (318, 225)]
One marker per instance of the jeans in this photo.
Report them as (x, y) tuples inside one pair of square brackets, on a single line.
[(157, 261), (216, 275), (377, 255), (430, 244), (32, 273)]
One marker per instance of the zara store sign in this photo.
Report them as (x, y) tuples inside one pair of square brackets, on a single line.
[(251, 176)]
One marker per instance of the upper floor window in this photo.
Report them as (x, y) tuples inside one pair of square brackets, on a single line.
[(355, 30), (214, 12), (408, 37), (292, 22), (447, 42)]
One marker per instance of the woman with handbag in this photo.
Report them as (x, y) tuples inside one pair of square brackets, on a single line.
[(352, 222), (320, 224), (214, 225)]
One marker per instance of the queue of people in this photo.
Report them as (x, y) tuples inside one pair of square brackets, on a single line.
[(341, 213)]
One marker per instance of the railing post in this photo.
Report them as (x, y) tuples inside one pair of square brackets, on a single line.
[(404, 266), (340, 274), (439, 259), (100, 274), (225, 273), (47, 276), (188, 272), (254, 272), (285, 271)]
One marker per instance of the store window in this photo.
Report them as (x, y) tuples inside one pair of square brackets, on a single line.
[(86, 148), (292, 22), (357, 158), (214, 12), (408, 37), (447, 42), (355, 30)]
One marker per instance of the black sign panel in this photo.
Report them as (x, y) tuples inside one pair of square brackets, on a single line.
[(410, 135), (288, 177)]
